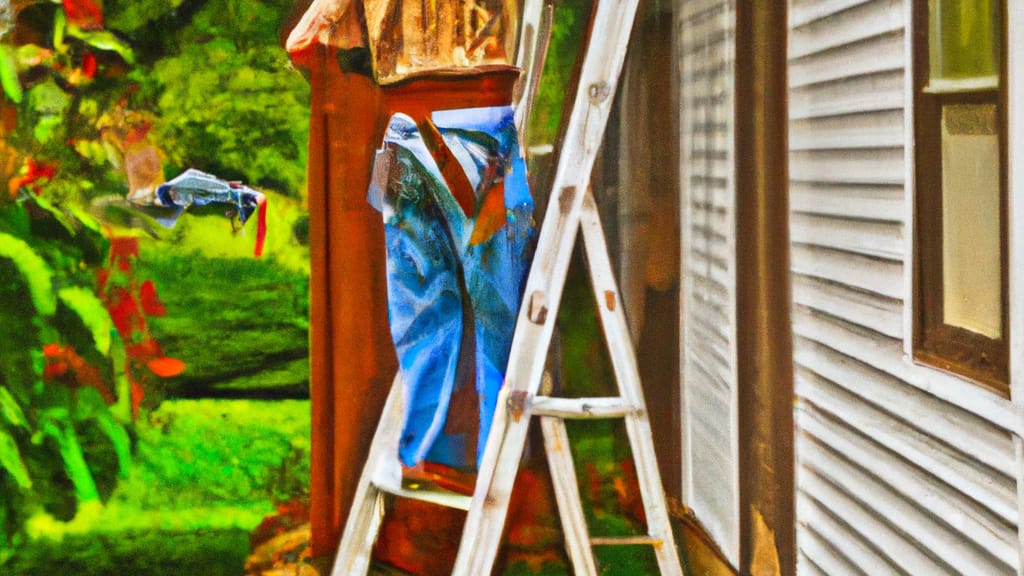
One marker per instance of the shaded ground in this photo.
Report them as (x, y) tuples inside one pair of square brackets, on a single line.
[(241, 325)]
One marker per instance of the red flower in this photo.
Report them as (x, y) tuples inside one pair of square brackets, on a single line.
[(85, 14), (122, 249), (89, 65), (151, 304), (123, 311), (145, 350), (55, 369), (31, 173), (166, 367), (138, 394)]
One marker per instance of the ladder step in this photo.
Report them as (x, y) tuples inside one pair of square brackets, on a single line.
[(432, 495), (581, 408), (626, 541)]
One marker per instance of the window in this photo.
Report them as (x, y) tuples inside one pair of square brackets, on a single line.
[(961, 319)]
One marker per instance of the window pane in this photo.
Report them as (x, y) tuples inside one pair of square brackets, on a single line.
[(964, 39), (972, 282)]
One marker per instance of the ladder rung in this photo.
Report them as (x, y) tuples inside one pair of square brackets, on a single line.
[(608, 407), (626, 541), (431, 495)]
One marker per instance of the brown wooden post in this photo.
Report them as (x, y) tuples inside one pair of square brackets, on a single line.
[(352, 356), (352, 360), (764, 332)]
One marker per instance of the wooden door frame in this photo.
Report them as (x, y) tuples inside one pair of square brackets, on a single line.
[(764, 320)]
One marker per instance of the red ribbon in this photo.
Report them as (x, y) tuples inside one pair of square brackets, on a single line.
[(261, 223)]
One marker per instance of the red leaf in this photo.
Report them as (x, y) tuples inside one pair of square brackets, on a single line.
[(51, 350), (85, 14), (166, 367), (151, 304)]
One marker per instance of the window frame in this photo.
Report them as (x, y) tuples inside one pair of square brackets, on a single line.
[(978, 358)]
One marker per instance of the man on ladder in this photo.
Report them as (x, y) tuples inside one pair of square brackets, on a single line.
[(418, 150)]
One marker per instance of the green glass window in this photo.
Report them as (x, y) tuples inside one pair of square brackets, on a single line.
[(961, 280), (964, 41)]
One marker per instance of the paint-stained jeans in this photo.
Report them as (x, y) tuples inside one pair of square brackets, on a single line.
[(456, 269)]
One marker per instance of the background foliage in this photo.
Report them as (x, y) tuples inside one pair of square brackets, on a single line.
[(107, 316)]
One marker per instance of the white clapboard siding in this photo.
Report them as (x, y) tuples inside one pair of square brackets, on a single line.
[(966, 517), (856, 95), (815, 519), (883, 277), (803, 12), (856, 24), (865, 237), (918, 523), (710, 479), (816, 557), (861, 201), (872, 56), (883, 315), (901, 469)]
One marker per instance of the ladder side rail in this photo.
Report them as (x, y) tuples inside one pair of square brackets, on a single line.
[(599, 75), (355, 548), (485, 521), (638, 427), (534, 36), (567, 493)]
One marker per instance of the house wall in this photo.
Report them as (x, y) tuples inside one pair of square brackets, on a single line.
[(706, 50), (902, 469)]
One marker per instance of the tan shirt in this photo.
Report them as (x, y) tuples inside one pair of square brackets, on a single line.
[(413, 37)]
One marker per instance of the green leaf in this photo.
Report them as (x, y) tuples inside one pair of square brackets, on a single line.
[(87, 220), (33, 269), (92, 312), (48, 99), (11, 410), (103, 40), (57, 213), (91, 406), (60, 24), (58, 426), (9, 74), (10, 460)]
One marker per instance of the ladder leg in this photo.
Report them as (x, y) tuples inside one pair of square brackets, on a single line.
[(638, 426), (567, 492), (364, 520), (485, 520), (612, 22)]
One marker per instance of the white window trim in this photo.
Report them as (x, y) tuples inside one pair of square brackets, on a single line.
[(1015, 144), (959, 391)]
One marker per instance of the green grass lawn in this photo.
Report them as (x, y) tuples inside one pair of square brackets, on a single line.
[(206, 473)]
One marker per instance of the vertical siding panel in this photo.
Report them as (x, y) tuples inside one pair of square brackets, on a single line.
[(901, 469), (710, 484)]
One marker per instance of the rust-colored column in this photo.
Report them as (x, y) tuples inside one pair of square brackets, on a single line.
[(352, 358)]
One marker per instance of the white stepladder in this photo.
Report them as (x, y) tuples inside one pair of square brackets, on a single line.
[(570, 209)]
